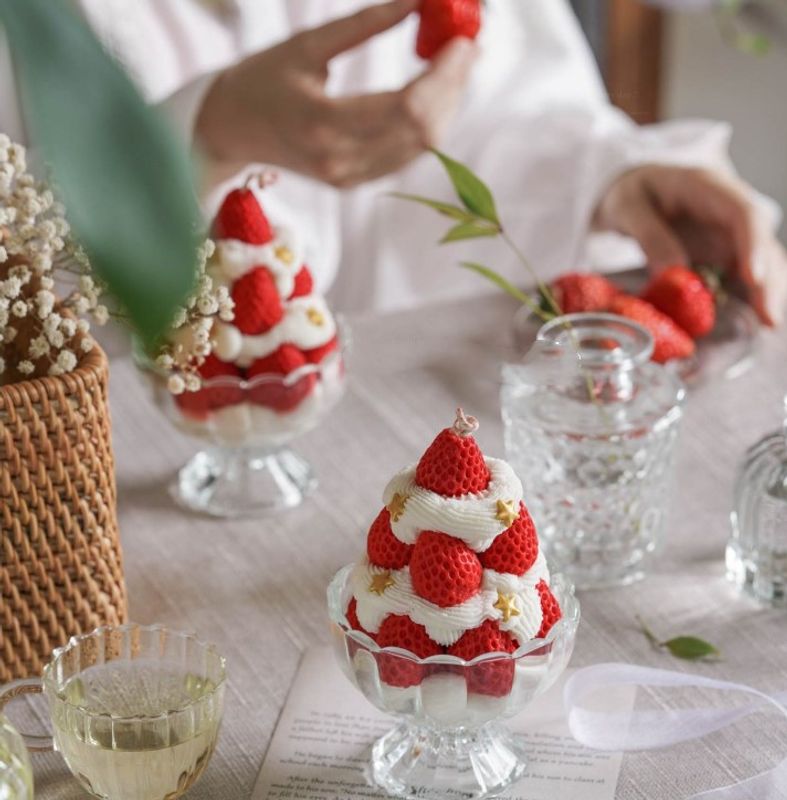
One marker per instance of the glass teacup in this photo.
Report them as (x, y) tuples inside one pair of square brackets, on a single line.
[(16, 776), (135, 710)]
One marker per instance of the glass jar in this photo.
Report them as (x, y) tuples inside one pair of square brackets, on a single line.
[(16, 775), (757, 551), (590, 428)]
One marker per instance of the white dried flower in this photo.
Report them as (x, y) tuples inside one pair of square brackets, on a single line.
[(176, 384), (47, 282), (3, 254), (86, 284), (39, 347), (164, 361), (2, 365), (56, 339), (11, 286), (66, 360), (207, 305), (26, 367), (83, 326), (179, 318), (68, 326), (80, 305), (101, 315), (19, 309), (46, 302), (192, 382), (55, 370), (10, 334), (42, 262), (51, 323), (87, 344)]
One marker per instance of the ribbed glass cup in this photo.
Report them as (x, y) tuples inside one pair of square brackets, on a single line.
[(16, 775)]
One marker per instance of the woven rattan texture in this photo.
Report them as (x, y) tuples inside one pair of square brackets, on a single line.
[(61, 570)]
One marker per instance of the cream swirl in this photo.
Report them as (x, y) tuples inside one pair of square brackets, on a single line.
[(283, 257), (446, 625), (474, 518), (307, 323)]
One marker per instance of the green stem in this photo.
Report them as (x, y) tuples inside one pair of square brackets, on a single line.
[(649, 635), (542, 286)]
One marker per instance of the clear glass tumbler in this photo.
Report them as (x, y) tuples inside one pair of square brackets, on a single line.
[(757, 551), (16, 775), (135, 710), (590, 428)]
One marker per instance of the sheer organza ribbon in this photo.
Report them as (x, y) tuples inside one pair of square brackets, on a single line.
[(649, 729)]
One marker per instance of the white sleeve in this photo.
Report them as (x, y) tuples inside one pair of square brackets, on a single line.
[(540, 126), (183, 105)]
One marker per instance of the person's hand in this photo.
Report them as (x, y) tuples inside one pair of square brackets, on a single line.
[(681, 215), (272, 107)]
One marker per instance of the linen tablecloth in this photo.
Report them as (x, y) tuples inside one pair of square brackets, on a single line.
[(257, 587)]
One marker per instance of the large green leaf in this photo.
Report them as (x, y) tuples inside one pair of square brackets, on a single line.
[(468, 230), (125, 180), (472, 191)]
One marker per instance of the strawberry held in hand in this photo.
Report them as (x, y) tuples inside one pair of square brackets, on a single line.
[(682, 295), (443, 20), (452, 567)]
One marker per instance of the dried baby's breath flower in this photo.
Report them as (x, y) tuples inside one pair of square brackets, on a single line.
[(26, 367)]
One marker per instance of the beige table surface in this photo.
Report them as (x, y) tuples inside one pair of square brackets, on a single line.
[(257, 588)]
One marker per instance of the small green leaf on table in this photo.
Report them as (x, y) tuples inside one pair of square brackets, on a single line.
[(688, 648)]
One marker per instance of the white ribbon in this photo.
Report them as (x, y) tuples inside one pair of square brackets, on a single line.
[(649, 729)]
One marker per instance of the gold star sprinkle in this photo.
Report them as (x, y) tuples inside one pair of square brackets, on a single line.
[(381, 582), (283, 253), (396, 506), (506, 512), (506, 606), (315, 317)]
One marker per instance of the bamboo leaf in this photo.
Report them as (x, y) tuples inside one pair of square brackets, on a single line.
[(125, 180), (446, 209), (473, 192), (691, 648), (506, 286), (468, 230)]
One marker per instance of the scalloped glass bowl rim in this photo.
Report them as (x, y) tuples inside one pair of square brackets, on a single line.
[(210, 650), (344, 336), (567, 625)]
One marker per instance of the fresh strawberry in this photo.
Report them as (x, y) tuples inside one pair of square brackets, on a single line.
[(212, 397), (274, 392), (453, 464), (257, 303), (444, 570), (443, 20), (317, 354), (582, 291), (682, 295), (494, 678), (400, 631), (304, 283), (670, 340), (515, 549), (383, 548), (241, 217), (550, 608)]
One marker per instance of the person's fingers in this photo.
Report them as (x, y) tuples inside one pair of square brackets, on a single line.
[(433, 97), (320, 45), (638, 218)]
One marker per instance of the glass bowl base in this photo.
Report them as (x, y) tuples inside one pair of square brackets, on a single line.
[(233, 483), (432, 764)]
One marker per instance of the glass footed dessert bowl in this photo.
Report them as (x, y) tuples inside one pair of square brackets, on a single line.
[(449, 741), (248, 468)]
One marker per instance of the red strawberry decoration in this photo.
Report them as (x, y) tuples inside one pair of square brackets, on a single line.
[(383, 548), (352, 618), (241, 217), (493, 678), (212, 398), (257, 303), (682, 295), (670, 340), (400, 631), (550, 608), (582, 291), (277, 393), (444, 570), (317, 354), (515, 550), (453, 464), (304, 283), (443, 20)]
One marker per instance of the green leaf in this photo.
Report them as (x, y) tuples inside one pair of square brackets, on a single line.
[(447, 209), (690, 648), (125, 181), (468, 230), (473, 192), (506, 286)]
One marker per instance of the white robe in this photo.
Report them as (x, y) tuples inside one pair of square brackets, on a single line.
[(535, 123)]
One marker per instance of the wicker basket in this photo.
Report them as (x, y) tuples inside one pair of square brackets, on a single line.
[(60, 561)]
